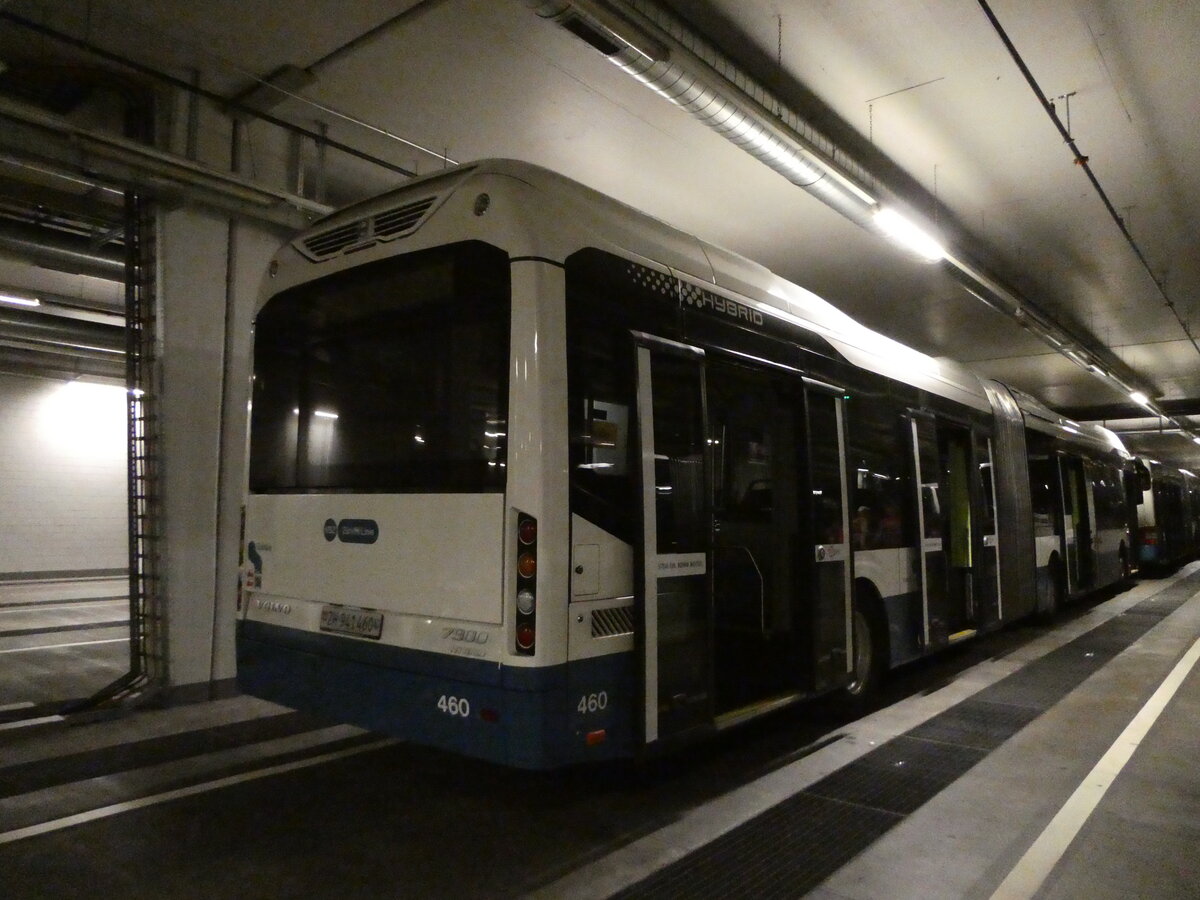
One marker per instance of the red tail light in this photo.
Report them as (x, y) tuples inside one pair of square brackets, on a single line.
[(525, 637), (1150, 536), (527, 530), (526, 608)]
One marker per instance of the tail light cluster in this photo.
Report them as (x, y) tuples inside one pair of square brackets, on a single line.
[(526, 584)]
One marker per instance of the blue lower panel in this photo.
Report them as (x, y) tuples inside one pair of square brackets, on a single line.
[(532, 718)]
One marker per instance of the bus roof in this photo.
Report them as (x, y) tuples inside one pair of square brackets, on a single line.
[(570, 215)]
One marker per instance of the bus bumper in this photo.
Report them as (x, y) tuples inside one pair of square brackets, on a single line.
[(525, 717)]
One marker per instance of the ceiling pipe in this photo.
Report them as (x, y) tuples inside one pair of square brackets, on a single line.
[(662, 53), (126, 159), (75, 334), (61, 252), (49, 362), (88, 308)]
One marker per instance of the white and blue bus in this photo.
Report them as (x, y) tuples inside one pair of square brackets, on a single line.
[(539, 479), (1168, 514)]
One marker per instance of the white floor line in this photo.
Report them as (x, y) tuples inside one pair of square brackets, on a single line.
[(80, 604), (1040, 859), (57, 646), (25, 723), (114, 809), (11, 706)]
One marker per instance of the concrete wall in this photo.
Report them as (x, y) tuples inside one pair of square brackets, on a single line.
[(62, 477)]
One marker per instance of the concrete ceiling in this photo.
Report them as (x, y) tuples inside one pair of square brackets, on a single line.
[(924, 95)]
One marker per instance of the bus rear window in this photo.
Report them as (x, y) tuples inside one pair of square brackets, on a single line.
[(388, 378)]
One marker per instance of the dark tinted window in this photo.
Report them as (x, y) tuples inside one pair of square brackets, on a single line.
[(1044, 494), (391, 377), (607, 298), (880, 440)]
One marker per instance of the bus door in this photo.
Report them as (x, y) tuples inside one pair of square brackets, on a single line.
[(674, 551), (931, 556), (942, 459), (988, 600), (1078, 505), (831, 599)]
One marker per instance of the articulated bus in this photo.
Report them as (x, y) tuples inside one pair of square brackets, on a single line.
[(539, 479), (1168, 513)]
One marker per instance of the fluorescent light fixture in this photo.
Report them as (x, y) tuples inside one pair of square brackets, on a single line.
[(319, 413), (20, 301), (907, 235), (1140, 399)]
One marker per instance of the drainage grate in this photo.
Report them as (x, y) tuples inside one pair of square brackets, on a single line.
[(794, 846)]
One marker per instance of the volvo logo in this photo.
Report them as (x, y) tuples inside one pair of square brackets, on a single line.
[(274, 606)]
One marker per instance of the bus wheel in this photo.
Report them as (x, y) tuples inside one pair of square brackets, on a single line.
[(870, 654), (1058, 590)]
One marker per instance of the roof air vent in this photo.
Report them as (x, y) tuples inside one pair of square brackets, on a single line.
[(401, 220), (327, 243), (388, 225)]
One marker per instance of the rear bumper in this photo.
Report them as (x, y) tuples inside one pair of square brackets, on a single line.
[(530, 718)]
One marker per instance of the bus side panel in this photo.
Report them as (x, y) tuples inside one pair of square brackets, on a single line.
[(603, 702)]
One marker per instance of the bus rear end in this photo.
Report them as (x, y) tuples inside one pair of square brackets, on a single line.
[(377, 528)]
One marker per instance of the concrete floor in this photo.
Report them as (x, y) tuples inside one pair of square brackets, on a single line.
[(61, 640), (238, 798)]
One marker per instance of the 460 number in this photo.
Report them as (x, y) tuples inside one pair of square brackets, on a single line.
[(454, 706), (590, 703)]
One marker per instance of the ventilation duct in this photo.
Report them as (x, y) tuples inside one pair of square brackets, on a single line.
[(61, 252), (678, 66)]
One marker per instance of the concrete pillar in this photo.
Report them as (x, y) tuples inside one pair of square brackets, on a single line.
[(210, 270)]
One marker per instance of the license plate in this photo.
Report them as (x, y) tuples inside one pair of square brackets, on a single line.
[(351, 620)]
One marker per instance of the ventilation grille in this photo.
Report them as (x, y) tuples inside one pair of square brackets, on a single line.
[(337, 240), (611, 622), (403, 220), (382, 226)]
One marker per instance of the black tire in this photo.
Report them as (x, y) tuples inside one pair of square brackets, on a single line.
[(1058, 590), (870, 650)]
